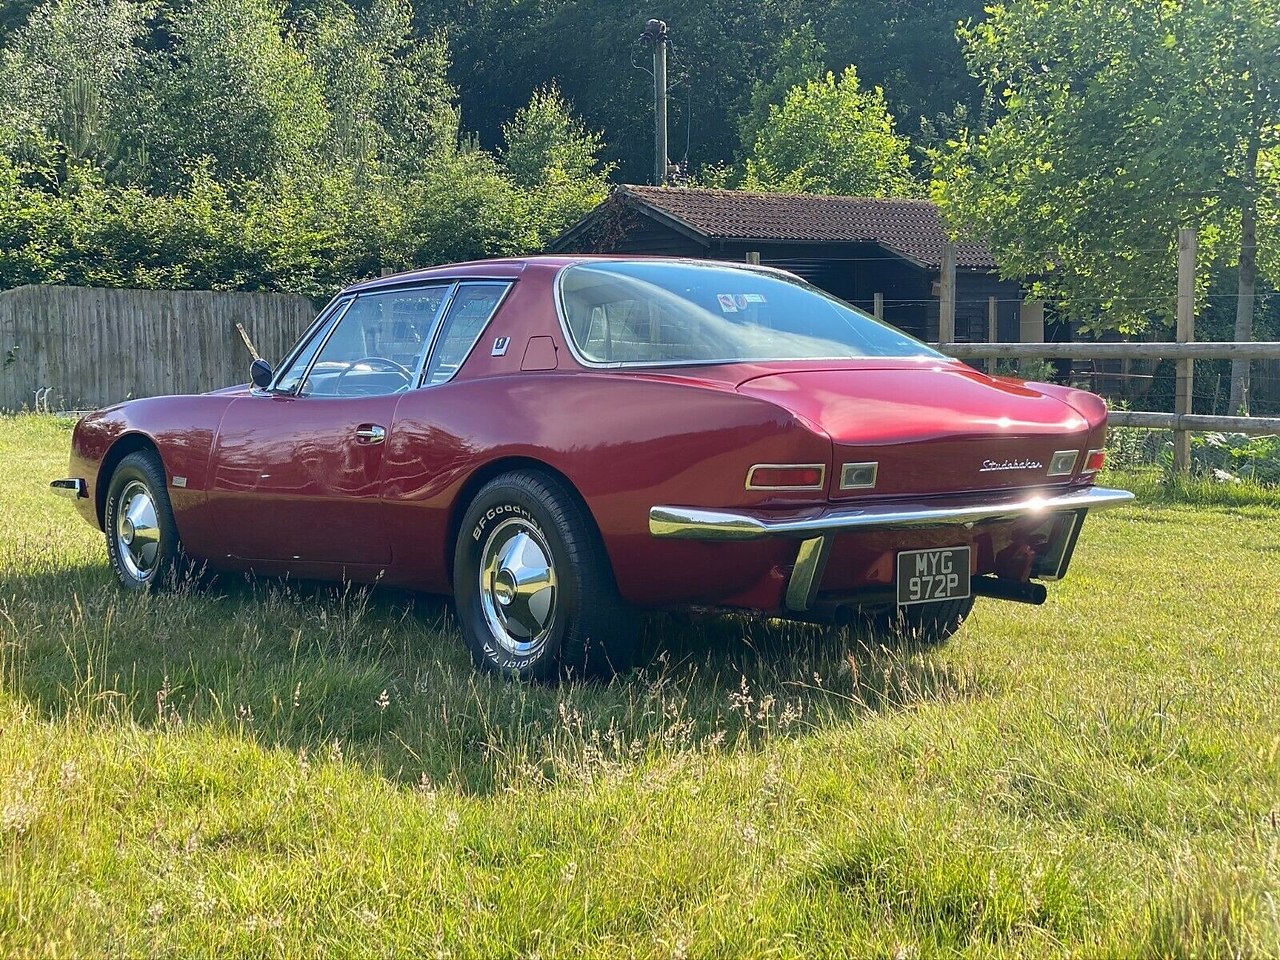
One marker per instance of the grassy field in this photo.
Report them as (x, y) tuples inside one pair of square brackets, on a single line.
[(269, 769)]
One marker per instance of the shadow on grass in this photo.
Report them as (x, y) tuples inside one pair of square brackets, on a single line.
[(382, 678)]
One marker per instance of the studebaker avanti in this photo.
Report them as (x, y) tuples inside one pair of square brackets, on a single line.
[(558, 442)]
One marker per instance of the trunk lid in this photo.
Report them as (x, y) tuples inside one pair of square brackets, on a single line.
[(931, 427)]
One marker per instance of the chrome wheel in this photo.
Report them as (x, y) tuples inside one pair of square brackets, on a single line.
[(137, 531), (517, 586)]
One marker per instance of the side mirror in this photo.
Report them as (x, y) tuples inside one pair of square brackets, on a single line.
[(260, 373)]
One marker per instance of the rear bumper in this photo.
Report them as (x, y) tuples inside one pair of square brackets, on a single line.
[(697, 523), (816, 527)]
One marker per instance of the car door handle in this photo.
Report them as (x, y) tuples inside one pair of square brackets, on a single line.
[(371, 433)]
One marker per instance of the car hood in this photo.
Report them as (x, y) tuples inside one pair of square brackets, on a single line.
[(937, 428)]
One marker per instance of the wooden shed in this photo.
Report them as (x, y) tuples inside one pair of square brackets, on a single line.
[(853, 247)]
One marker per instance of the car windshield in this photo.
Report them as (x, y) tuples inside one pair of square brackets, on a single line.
[(664, 312)]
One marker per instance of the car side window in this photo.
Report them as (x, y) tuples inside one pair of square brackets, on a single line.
[(379, 345), (468, 315)]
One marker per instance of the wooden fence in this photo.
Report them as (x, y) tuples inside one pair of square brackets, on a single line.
[(82, 347), (1183, 423)]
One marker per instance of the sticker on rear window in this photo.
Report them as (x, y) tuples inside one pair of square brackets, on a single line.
[(726, 303), (753, 297)]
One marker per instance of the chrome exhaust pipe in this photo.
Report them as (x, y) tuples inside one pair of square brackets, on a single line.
[(1020, 591)]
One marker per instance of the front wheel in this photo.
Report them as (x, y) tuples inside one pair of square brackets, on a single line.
[(142, 536), (533, 586)]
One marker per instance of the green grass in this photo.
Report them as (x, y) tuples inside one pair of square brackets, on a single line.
[(283, 770)]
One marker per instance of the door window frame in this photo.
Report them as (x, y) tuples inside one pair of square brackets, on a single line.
[(327, 323)]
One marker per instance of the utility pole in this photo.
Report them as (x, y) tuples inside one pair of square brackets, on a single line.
[(655, 35)]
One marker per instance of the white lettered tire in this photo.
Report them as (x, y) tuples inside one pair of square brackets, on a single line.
[(533, 586)]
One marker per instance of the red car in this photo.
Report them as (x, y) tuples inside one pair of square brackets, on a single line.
[(557, 441)]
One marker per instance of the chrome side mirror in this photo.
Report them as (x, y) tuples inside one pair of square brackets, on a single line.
[(260, 373)]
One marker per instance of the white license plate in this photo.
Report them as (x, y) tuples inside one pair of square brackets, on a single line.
[(925, 576)]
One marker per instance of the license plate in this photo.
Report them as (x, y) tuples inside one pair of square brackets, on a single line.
[(928, 575)]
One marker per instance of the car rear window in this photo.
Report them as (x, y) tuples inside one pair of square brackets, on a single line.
[(664, 312)]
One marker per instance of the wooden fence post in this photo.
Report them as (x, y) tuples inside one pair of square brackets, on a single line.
[(1185, 334), (753, 257), (993, 330), (947, 299), (877, 309)]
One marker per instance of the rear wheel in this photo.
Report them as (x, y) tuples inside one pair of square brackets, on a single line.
[(142, 536), (533, 586)]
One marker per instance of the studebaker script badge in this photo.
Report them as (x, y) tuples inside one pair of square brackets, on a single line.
[(992, 465)]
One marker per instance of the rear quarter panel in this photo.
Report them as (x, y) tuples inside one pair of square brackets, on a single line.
[(626, 442)]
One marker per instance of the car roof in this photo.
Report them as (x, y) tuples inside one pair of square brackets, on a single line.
[(508, 268)]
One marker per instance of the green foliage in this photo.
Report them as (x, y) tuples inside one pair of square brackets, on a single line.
[(1119, 123), (64, 74), (797, 60), (222, 145), (722, 49), (1236, 457), (831, 136), (545, 142)]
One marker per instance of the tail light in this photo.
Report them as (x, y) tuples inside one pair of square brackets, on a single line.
[(1094, 461), (787, 476)]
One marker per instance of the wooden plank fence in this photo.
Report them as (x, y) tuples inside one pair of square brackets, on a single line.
[(82, 347)]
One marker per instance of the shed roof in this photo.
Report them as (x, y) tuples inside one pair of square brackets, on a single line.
[(912, 228)]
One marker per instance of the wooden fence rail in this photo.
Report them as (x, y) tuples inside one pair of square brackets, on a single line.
[(87, 347), (1183, 423), (1204, 350)]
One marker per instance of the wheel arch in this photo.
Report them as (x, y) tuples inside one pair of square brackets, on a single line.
[(124, 445), (495, 468)]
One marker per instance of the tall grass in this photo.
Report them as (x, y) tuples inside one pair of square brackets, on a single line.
[(274, 768)]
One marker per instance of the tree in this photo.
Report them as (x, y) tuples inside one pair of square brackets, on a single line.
[(831, 136), (1120, 123), (798, 59), (385, 89), (63, 76), (254, 103), (505, 49), (544, 140)]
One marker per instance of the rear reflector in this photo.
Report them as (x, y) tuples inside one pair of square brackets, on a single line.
[(1063, 463), (787, 476), (1095, 461), (858, 476)]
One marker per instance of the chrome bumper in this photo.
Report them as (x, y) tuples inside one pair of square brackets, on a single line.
[(696, 523), (73, 489), (815, 527)]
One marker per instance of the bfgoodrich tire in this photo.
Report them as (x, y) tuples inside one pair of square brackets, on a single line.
[(142, 536), (533, 587)]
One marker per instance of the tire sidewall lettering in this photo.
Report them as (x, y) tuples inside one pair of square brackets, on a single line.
[(503, 511), (488, 517)]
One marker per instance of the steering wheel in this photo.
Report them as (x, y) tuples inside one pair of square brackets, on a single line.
[(387, 362)]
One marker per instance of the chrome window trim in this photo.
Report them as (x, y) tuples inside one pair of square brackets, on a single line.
[(441, 311), (339, 312), (439, 327), (335, 308), (444, 302), (933, 356)]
